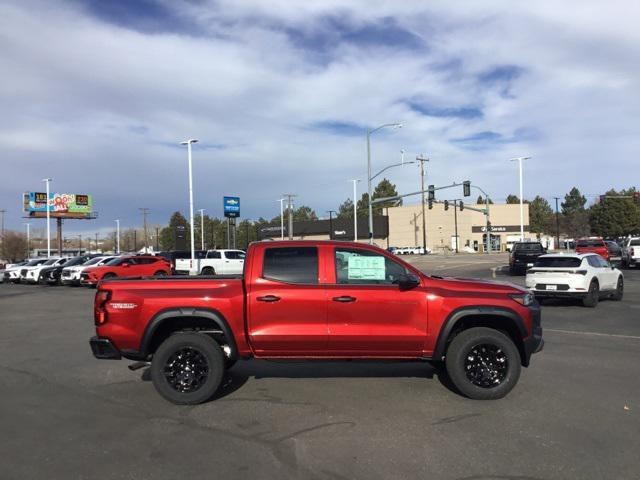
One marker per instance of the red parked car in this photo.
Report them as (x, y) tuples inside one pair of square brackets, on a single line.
[(317, 300), (593, 245), (131, 266)]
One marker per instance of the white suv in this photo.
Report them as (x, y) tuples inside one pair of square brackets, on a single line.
[(13, 274), (586, 276), (32, 274)]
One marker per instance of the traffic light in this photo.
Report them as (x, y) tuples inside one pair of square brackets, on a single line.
[(430, 204), (446, 204), (432, 192), (466, 188), (461, 206)]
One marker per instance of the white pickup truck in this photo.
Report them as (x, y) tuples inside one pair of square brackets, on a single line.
[(216, 262), (631, 252)]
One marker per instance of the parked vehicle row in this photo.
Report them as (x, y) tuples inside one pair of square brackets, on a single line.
[(409, 250)]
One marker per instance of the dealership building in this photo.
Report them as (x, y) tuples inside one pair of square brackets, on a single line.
[(402, 227)]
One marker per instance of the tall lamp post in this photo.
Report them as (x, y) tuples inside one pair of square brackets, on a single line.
[(47, 181), (188, 143), (355, 211), (201, 228), (28, 240), (281, 218), (369, 177), (519, 160), (117, 235)]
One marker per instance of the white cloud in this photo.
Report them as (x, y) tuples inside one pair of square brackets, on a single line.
[(99, 106)]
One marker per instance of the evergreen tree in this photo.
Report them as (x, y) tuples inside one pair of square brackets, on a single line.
[(615, 217), (481, 201), (575, 218), (345, 210), (167, 234), (540, 216), (384, 189), (512, 199), (303, 213)]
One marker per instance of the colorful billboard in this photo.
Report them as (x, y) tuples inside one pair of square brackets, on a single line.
[(59, 203), (231, 207)]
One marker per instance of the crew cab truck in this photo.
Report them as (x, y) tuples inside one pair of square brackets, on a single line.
[(523, 255), (631, 252), (316, 300)]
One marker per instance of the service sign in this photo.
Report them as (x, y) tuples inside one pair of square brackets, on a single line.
[(231, 207), (58, 203)]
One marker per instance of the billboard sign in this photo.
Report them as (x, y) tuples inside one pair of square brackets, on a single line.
[(58, 203), (231, 206)]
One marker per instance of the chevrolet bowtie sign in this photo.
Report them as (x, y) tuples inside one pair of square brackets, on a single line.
[(231, 206)]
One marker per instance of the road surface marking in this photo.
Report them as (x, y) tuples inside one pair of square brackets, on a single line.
[(592, 333)]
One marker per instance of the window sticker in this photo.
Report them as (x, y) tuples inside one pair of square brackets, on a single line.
[(365, 268)]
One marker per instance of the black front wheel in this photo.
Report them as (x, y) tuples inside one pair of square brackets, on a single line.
[(619, 293), (187, 368), (593, 295), (483, 363)]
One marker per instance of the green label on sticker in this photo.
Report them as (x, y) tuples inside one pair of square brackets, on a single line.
[(366, 268)]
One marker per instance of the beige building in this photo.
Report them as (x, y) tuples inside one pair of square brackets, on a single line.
[(405, 226)]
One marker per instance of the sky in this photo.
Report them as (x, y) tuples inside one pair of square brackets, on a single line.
[(98, 96)]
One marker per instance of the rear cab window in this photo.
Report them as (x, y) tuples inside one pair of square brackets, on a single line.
[(558, 262), (527, 247), (297, 265), (590, 243)]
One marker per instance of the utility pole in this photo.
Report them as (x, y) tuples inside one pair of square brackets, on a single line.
[(290, 198), (145, 212), (282, 218), (2, 212), (557, 224), (455, 220), (422, 159), (117, 236), (158, 239), (135, 241), (331, 212)]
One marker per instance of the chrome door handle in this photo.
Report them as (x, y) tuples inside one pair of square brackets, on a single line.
[(344, 299), (268, 298)]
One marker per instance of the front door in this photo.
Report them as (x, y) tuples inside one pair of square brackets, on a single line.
[(287, 306), (368, 313)]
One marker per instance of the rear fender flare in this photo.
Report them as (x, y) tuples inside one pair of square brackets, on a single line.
[(460, 314), (187, 313)]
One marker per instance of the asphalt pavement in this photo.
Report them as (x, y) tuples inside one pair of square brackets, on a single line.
[(574, 414)]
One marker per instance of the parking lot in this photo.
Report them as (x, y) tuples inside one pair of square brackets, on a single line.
[(574, 414)]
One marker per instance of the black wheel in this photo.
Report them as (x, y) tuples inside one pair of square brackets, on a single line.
[(107, 276), (483, 363), (619, 293), (208, 271), (160, 273), (187, 368), (593, 295)]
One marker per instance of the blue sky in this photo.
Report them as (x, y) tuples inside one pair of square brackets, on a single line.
[(98, 96)]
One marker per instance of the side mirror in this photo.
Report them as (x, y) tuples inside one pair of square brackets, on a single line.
[(408, 281)]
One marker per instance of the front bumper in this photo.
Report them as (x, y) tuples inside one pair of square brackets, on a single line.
[(104, 349)]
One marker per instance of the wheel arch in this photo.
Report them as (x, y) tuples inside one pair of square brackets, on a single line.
[(169, 321), (501, 319)]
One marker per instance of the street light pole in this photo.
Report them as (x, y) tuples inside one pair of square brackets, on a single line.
[(422, 161), (201, 228), (369, 178), (192, 269), (557, 224), (331, 212), (47, 181), (355, 211), (519, 160), (28, 240), (117, 235), (281, 217)]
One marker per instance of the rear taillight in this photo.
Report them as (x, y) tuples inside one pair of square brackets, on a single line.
[(99, 307)]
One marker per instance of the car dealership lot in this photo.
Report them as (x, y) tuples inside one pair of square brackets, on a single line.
[(574, 414)]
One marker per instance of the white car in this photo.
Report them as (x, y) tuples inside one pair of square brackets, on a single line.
[(71, 275), (631, 252), (411, 251), (32, 274), (12, 274), (216, 262), (586, 276)]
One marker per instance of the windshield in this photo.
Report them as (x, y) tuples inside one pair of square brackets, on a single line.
[(93, 261), (590, 243), (560, 262), (528, 247), (74, 261)]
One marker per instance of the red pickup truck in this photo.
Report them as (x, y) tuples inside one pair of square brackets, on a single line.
[(316, 300)]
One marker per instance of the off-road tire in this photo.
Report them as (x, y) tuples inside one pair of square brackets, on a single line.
[(207, 350), (208, 271), (593, 295), (459, 354)]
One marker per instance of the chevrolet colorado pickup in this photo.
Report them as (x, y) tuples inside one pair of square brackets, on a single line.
[(316, 300)]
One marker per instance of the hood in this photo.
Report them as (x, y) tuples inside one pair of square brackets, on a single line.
[(493, 286)]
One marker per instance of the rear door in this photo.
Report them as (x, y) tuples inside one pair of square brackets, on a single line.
[(368, 313), (286, 303)]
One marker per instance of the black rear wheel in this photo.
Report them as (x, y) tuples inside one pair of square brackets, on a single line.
[(187, 368), (208, 271), (593, 295), (160, 273), (483, 363), (619, 293)]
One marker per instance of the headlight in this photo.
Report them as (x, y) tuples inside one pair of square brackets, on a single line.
[(525, 299)]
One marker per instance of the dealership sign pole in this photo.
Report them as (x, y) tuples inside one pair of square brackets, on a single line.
[(46, 181)]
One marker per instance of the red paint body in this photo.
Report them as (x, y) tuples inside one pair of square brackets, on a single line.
[(131, 266), (593, 246), (307, 322)]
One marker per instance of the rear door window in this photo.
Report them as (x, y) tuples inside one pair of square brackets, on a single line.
[(291, 264), (214, 255), (234, 255)]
